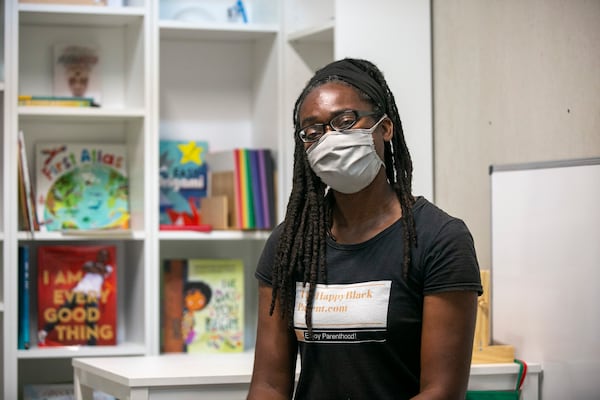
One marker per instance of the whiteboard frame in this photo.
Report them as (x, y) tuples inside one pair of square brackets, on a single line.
[(541, 321)]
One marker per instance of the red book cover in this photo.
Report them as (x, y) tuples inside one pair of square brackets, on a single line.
[(77, 295)]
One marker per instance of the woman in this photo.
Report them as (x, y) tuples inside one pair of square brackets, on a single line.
[(374, 288)]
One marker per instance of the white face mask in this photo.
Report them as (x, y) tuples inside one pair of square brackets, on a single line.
[(346, 160)]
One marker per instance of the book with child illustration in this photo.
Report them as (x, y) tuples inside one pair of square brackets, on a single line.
[(76, 295), (203, 306)]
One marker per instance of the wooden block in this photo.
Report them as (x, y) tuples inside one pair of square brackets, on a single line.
[(482, 325), (493, 354), (223, 184), (213, 211), (483, 351)]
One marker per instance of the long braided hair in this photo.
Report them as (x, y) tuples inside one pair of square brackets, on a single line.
[(302, 246)]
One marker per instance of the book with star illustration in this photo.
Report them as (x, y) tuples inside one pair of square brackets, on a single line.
[(183, 181), (81, 186)]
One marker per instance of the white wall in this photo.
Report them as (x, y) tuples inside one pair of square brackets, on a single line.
[(402, 50), (513, 81)]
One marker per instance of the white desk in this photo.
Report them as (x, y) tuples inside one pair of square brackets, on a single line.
[(216, 377), (504, 377), (169, 376)]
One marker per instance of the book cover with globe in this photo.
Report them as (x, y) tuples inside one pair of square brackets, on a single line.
[(81, 186)]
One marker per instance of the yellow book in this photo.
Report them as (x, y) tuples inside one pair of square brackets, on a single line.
[(50, 101)]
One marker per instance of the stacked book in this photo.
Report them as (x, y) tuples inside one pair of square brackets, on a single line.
[(246, 178), (56, 101)]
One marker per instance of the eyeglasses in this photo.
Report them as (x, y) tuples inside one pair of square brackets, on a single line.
[(341, 122)]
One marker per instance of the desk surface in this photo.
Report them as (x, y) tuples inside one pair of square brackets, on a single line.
[(187, 369), (171, 369), (190, 376)]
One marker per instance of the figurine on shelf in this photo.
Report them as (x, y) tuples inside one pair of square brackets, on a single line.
[(237, 12), (77, 71)]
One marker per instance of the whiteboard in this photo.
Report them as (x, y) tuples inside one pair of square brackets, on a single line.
[(546, 271)]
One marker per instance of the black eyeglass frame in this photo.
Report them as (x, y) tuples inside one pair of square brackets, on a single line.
[(357, 114)]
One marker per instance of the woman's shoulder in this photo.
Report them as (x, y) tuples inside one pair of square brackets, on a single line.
[(431, 220), (275, 235)]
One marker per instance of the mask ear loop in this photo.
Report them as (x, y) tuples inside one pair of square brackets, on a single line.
[(391, 147)]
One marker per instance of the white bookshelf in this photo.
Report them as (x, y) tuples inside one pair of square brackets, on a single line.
[(231, 84), (123, 35), (322, 33), (226, 93), (4, 244)]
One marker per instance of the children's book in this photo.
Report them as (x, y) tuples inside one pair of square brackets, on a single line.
[(55, 101), (267, 172), (213, 306), (81, 186), (27, 218), (247, 189), (57, 391), (183, 181), (24, 294), (172, 306), (77, 295), (255, 182), (77, 70)]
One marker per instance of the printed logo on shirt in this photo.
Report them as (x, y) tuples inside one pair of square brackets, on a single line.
[(352, 313)]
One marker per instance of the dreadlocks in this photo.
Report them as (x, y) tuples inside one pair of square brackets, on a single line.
[(301, 249)]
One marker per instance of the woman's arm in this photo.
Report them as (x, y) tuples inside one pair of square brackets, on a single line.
[(447, 344), (275, 353)]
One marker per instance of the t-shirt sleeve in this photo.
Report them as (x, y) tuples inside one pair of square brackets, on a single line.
[(264, 269), (450, 262)]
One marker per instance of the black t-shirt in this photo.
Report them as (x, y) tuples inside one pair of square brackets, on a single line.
[(367, 319)]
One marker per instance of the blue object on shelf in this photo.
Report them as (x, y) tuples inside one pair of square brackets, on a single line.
[(236, 11)]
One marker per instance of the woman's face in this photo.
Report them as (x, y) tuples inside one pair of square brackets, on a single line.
[(328, 100)]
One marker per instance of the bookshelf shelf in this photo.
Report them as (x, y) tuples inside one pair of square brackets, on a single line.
[(79, 15), (214, 235), (215, 31), (68, 113), (123, 36), (322, 33), (81, 236), (124, 349)]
